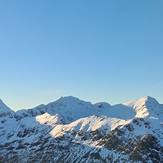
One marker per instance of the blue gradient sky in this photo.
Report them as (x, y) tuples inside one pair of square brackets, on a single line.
[(108, 50)]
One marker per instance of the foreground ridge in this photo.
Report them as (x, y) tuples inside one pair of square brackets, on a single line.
[(72, 130)]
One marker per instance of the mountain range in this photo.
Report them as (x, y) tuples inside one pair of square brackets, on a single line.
[(72, 130)]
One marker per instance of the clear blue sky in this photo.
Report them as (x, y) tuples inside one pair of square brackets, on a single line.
[(109, 50)]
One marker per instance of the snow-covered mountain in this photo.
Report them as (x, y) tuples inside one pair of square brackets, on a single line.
[(69, 108), (4, 109), (72, 130)]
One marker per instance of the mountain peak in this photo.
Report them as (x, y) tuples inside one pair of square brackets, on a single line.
[(4, 109), (98, 131), (68, 98), (142, 101), (69, 101), (145, 106), (148, 101)]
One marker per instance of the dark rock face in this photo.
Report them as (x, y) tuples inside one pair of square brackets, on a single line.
[(147, 147)]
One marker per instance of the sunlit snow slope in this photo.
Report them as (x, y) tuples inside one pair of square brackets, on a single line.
[(72, 130)]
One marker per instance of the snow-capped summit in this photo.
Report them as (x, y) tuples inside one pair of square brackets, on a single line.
[(67, 99), (86, 132), (72, 108), (150, 101), (146, 100), (69, 108), (146, 107), (4, 109)]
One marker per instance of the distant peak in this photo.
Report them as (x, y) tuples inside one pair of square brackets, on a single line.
[(1, 101), (149, 99), (144, 101), (67, 99), (4, 108)]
